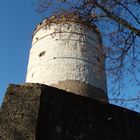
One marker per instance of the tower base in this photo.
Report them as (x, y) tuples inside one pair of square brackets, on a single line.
[(83, 89)]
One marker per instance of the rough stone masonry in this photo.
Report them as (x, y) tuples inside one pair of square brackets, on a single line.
[(40, 112)]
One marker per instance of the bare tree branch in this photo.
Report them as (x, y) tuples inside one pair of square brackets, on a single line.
[(120, 20)]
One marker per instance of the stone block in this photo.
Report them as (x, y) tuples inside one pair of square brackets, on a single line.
[(40, 112)]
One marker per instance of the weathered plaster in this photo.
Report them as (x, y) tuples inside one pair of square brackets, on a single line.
[(69, 53)]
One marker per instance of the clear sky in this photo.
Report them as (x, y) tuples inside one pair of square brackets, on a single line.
[(17, 22)]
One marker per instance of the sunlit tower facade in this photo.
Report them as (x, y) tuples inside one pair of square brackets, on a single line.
[(67, 53)]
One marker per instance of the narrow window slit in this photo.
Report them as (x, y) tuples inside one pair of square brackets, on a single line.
[(42, 54)]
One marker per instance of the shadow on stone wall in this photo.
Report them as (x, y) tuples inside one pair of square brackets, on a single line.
[(39, 112), (70, 117)]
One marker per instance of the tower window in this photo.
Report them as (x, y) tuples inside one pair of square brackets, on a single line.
[(98, 59), (41, 54)]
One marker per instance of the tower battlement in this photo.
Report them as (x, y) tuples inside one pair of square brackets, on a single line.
[(63, 19)]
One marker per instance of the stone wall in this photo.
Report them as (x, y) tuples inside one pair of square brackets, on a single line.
[(39, 112), (19, 112)]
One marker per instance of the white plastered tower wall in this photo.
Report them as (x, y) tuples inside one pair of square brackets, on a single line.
[(66, 55)]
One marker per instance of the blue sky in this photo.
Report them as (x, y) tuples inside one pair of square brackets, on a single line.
[(17, 22)]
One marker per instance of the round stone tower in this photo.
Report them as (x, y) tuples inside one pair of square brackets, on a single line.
[(67, 53)]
